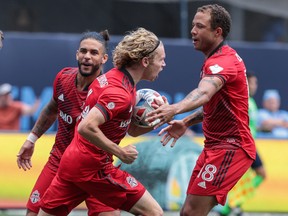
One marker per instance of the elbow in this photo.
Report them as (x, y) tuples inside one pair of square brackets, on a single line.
[(131, 132), (82, 129)]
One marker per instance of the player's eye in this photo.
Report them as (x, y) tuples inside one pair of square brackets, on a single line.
[(83, 51), (94, 52)]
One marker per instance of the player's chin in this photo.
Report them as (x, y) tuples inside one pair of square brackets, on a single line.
[(154, 78), (86, 68), (86, 72)]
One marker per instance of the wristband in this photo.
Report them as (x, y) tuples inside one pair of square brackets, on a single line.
[(32, 137)]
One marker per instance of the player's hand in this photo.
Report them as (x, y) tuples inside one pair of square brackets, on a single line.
[(163, 113), (174, 130), (129, 155), (160, 103), (24, 156)]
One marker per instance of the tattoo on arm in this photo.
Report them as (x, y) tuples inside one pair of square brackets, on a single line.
[(194, 95), (212, 81), (45, 120), (196, 117)]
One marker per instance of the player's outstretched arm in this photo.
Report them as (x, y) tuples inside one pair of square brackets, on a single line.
[(207, 87), (174, 130), (177, 128), (47, 117)]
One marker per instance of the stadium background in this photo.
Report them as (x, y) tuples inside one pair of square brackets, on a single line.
[(41, 37)]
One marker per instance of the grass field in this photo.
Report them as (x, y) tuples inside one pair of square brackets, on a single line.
[(84, 213), (16, 184)]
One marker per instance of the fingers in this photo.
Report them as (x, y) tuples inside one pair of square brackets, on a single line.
[(174, 142), (23, 163), (131, 154), (165, 100), (165, 139), (155, 123), (164, 130)]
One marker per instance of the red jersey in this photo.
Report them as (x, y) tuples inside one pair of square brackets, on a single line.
[(226, 121), (114, 94), (70, 102)]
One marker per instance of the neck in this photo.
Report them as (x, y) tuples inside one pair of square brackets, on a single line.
[(83, 82), (135, 72), (215, 48)]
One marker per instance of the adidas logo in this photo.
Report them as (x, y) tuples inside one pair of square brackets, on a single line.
[(61, 97), (202, 184)]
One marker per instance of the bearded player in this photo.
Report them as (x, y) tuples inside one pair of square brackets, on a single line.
[(69, 93)]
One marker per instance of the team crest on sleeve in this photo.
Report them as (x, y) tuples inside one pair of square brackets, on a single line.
[(131, 181), (110, 105), (215, 69)]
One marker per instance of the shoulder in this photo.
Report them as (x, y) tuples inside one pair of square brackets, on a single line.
[(65, 73), (114, 79), (225, 56)]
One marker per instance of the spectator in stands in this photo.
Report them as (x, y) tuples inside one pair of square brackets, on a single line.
[(271, 120), (11, 111), (1, 39)]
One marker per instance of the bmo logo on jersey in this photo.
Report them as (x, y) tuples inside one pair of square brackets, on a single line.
[(67, 118), (125, 123)]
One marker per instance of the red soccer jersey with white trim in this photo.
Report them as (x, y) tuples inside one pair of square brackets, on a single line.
[(114, 94), (70, 102), (226, 121)]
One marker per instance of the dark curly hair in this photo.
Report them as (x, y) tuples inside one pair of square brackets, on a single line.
[(219, 17), (103, 37)]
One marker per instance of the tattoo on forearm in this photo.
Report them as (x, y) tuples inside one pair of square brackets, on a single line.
[(194, 95), (197, 117), (45, 120), (212, 81)]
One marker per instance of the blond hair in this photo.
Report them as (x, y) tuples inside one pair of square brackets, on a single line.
[(135, 46)]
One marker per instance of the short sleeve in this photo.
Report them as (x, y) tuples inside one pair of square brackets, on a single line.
[(112, 101)]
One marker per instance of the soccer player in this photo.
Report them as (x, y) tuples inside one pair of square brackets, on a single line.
[(86, 167), (69, 93), (229, 148)]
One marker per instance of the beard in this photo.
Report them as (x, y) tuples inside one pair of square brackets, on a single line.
[(93, 71)]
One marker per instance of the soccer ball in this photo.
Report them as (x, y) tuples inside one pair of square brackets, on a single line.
[(144, 100)]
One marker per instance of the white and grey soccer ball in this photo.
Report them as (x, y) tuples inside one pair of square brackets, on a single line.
[(144, 100)]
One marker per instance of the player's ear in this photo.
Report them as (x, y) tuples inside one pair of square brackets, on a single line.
[(104, 58), (77, 53), (145, 61), (218, 32)]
